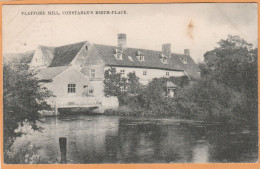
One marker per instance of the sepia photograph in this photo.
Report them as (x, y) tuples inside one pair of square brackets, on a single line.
[(130, 83)]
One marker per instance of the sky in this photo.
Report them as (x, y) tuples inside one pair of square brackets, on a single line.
[(194, 26)]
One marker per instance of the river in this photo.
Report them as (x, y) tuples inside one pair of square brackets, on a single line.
[(112, 139)]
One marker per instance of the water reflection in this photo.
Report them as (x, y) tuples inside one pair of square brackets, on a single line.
[(101, 139)]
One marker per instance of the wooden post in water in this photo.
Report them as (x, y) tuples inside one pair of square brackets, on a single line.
[(63, 149)]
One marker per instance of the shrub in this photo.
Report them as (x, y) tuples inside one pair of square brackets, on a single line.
[(208, 99)]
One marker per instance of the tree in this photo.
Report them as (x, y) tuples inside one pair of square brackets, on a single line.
[(233, 65), (133, 85), (112, 83), (23, 97), (231, 62), (115, 82)]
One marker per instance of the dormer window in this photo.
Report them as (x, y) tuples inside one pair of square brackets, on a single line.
[(140, 56), (118, 55), (163, 58), (184, 60), (86, 48)]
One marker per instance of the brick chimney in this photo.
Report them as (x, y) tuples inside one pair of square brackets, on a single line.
[(166, 49), (186, 51), (121, 40)]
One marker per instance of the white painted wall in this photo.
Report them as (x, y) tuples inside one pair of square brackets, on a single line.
[(59, 85), (98, 86), (150, 73)]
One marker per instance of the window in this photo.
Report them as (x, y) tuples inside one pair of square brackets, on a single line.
[(141, 58), (122, 72), (86, 47), (184, 60), (119, 56), (92, 73), (123, 89), (113, 70), (144, 73), (71, 88), (164, 60), (167, 73)]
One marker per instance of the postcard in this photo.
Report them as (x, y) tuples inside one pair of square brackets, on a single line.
[(164, 83)]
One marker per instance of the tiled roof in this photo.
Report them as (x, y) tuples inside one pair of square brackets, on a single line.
[(51, 72), (63, 55), (152, 59)]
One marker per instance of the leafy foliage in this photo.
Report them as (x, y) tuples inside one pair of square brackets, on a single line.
[(27, 154), (233, 63), (23, 97), (113, 82), (142, 100), (208, 99), (229, 84), (133, 85), (152, 101)]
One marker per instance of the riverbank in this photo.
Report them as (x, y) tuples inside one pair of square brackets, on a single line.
[(126, 111)]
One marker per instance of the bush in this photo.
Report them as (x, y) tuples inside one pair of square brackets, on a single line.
[(27, 154), (120, 111), (207, 99), (152, 101)]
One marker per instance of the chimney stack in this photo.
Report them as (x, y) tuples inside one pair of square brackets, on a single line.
[(166, 49), (186, 51), (121, 40)]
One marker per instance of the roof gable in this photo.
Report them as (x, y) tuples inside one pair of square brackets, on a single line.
[(42, 56), (94, 57), (47, 53)]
